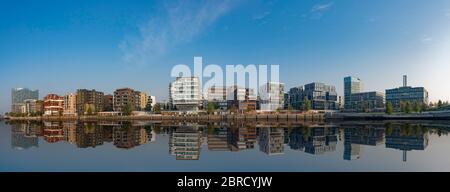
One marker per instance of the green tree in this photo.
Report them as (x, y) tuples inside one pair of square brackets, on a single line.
[(278, 110), (440, 104), (424, 107), (148, 107), (389, 128), (416, 107), (306, 104), (211, 108), (389, 108), (127, 110), (402, 106), (157, 109), (408, 107)]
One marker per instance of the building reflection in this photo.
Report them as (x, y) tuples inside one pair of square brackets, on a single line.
[(53, 132), (218, 139), (357, 136), (89, 135), (406, 137), (321, 140), (187, 139), (271, 140), (127, 136), (313, 140), (242, 136), (24, 136), (185, 143), (70, 131)]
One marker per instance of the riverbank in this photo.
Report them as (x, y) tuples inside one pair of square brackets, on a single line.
[(437, 115), (240, 117)]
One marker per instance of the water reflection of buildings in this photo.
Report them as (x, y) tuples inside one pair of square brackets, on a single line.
[(70, 131), (218, 139), (321, 140), (53, 132), (271, 140), (24, 136), (354, 137), (127, 136), (185, 143), (89, 135), (243, 137), (82, 134), (313, 140), (406, 138)]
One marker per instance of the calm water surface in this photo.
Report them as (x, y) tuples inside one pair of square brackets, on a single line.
[(150, 146)]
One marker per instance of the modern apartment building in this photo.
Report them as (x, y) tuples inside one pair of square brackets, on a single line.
[(216, 93), (89, 99), (152, 100), (271, 96), (144, 99), (296, 97), (185, 94), (33, 106), (70, 104), (127, 96), (108, 103), (366, 101), (19, 95), (321, 96), (243, 99), (351, 85), (53, 104), (406, 93)]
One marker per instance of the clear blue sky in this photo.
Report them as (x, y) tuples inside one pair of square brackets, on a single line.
[(60, 45)]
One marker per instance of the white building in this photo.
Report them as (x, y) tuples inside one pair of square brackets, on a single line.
[(70, 104), (216, 93), (271, 96), (152, 100), (185, 93)]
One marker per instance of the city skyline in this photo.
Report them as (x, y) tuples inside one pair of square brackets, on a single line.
[(61, 47)]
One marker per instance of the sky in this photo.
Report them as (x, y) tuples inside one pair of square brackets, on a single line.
[(58, 46)]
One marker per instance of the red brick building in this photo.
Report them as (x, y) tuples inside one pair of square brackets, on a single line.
[(53, 104)]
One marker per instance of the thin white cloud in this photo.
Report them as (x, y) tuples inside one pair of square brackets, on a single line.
[(318, 10), (261, 15), (426, 39), (322, 7), (180, 22)]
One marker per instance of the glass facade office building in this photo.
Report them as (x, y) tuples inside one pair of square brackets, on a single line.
[(406, 94), (366, 101), (322, 97), (351, 85), (19, 95)]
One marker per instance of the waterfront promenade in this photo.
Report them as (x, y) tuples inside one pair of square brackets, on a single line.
[(155, 117), (432, 115)]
